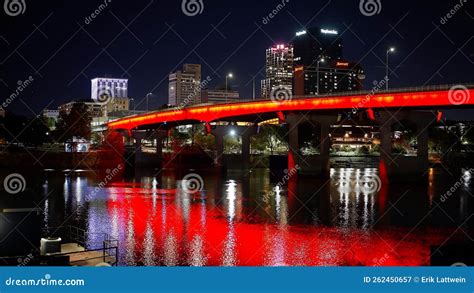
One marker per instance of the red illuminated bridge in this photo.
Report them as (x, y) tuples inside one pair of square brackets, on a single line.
[(420, 108), (454, 97)]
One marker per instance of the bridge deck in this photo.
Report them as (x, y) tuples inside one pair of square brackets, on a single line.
[(456, 97)]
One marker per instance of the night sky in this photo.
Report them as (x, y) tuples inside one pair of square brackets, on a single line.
[(146, 40)]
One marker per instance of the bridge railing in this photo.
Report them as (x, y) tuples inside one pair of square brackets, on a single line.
[(373, 91)]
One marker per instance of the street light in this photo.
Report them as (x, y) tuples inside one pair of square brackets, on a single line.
[(131, 105), (317, 73), (390, 50), (147, 96), (230, 75)]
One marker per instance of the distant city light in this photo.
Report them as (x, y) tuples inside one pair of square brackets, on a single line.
[(280, 47), (300, 33), (328, 31), (232, 132)]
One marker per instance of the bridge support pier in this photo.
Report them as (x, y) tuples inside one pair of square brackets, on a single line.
[(399, 165), (145, 158), (245, 132), (310, 164)]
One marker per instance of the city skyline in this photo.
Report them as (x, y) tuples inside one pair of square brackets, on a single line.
[(135, 52)]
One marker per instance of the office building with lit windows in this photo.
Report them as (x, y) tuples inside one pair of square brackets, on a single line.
[(278, 70), (334, 76), (319, 67), (184, 87)]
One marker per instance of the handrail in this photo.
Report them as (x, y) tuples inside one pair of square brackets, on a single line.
[(80, 236)]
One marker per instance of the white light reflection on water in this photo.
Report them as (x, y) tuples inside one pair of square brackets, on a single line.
[(352, 193), (197, 256), (227, 227), (229, 254)]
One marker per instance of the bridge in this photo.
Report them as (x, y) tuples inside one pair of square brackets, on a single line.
[(420, 107)]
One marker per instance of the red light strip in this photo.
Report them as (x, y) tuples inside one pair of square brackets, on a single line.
[(216, 112)]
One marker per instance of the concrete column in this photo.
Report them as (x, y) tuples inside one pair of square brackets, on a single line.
[(246, 133), (325, 147), (293, 140), (324, 121), (159, 135), (386, 144), (422, 141), (219, 159), (245, 151), (219, 133), (138, 145)]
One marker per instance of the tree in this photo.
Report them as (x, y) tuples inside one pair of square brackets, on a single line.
[(19, 129), (271, 138), (443, 140), (76, 123)]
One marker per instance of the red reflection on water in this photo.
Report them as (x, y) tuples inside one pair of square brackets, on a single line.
[(185, 230)]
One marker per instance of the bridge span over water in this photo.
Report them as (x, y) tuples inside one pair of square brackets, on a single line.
[(421, 106)]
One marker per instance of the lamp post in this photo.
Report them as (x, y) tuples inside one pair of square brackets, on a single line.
[(147, 96), (390, 50), (317, 73), (230, 75)]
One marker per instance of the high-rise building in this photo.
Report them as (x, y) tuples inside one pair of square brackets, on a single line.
[(315, 43), (185, 86), (334, 76), (103, 89), (319, 67), (278, 70)]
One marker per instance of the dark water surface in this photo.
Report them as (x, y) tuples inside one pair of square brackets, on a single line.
[(248, 219)]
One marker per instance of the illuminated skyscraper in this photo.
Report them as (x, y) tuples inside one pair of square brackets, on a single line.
[(279, 72)]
